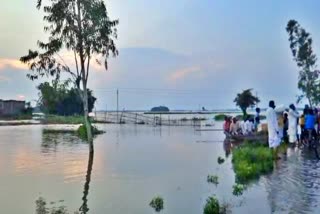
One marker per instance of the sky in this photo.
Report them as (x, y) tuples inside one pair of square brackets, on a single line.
[(184, 54)]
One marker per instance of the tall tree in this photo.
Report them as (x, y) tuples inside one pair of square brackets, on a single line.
[(246, 99), (83, 28), (301, 48)]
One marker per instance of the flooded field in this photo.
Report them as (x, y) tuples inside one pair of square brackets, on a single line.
[(134, 163)]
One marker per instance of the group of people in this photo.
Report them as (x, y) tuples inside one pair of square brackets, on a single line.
[(247, 126), (288, 125)]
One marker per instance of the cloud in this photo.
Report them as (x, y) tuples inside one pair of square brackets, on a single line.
[(21, 97), (183, 73), (12, 63)]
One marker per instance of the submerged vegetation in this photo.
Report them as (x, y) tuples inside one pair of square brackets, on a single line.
[(82, 131), (212, 206), (220, 160), (157, 204), (238, 189), (213, 179), (251, 160), (41, 208)]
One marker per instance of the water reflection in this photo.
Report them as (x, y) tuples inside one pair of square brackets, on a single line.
[(84, 207)]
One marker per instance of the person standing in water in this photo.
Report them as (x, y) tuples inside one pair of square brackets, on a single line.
[(293, 118), (273, 129)]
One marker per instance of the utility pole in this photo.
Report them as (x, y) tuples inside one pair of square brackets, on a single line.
[(117, 105)]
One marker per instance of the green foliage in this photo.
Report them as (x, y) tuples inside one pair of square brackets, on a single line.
[(213, 179), (246, 99), (251, 160), (212, 206), (240, 117), (41, 208), (58, 98), (157, 204), (238, 189), (82, 131), (301, 48), (220, 117), (55, 119)]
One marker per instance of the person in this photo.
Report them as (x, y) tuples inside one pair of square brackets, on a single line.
[(302, 123), (292, 118), (285, 127), (226, 124), (243, 126), (248, 126), (234, 127), (273, 129), (310, 121), (280, 124), (257, 119)]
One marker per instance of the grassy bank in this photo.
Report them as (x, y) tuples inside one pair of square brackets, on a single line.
[(251, 160), (17, 117), (55, 119)]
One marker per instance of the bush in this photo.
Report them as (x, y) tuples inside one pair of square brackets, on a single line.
[(251, 160), (157, 204), (220, 117), (238, 189), (212, 206), (82, 131)]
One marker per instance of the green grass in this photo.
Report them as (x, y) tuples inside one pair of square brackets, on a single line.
[(17, 117), (251, 160), (240, 116), (55, 119), (220, 117)]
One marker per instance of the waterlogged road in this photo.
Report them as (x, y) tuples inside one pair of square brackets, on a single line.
[(132, 164)]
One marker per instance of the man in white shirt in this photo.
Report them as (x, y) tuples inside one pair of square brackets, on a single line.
[(273, 128)]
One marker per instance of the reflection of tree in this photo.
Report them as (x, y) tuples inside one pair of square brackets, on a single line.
[(84, 207)]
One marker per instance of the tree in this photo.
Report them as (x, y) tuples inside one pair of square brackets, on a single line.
[(245, 100), (58, 98), (81, 27), (301, 48)]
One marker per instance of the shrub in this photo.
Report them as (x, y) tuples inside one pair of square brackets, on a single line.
[(157, 204), (82, 131), (212, 206), (220, 117), (251, 160), (238, 189)]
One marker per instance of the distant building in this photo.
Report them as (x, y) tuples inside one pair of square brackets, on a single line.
[(11, 107)]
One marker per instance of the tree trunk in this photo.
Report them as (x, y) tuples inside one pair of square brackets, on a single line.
[(86, 118), (244, 112)]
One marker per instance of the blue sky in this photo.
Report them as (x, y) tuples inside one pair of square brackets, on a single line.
[(181, 53)]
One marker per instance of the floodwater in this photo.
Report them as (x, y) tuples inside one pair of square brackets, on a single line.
[(134, 163)]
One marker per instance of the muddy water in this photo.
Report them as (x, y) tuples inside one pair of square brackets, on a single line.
[(132, 164)]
